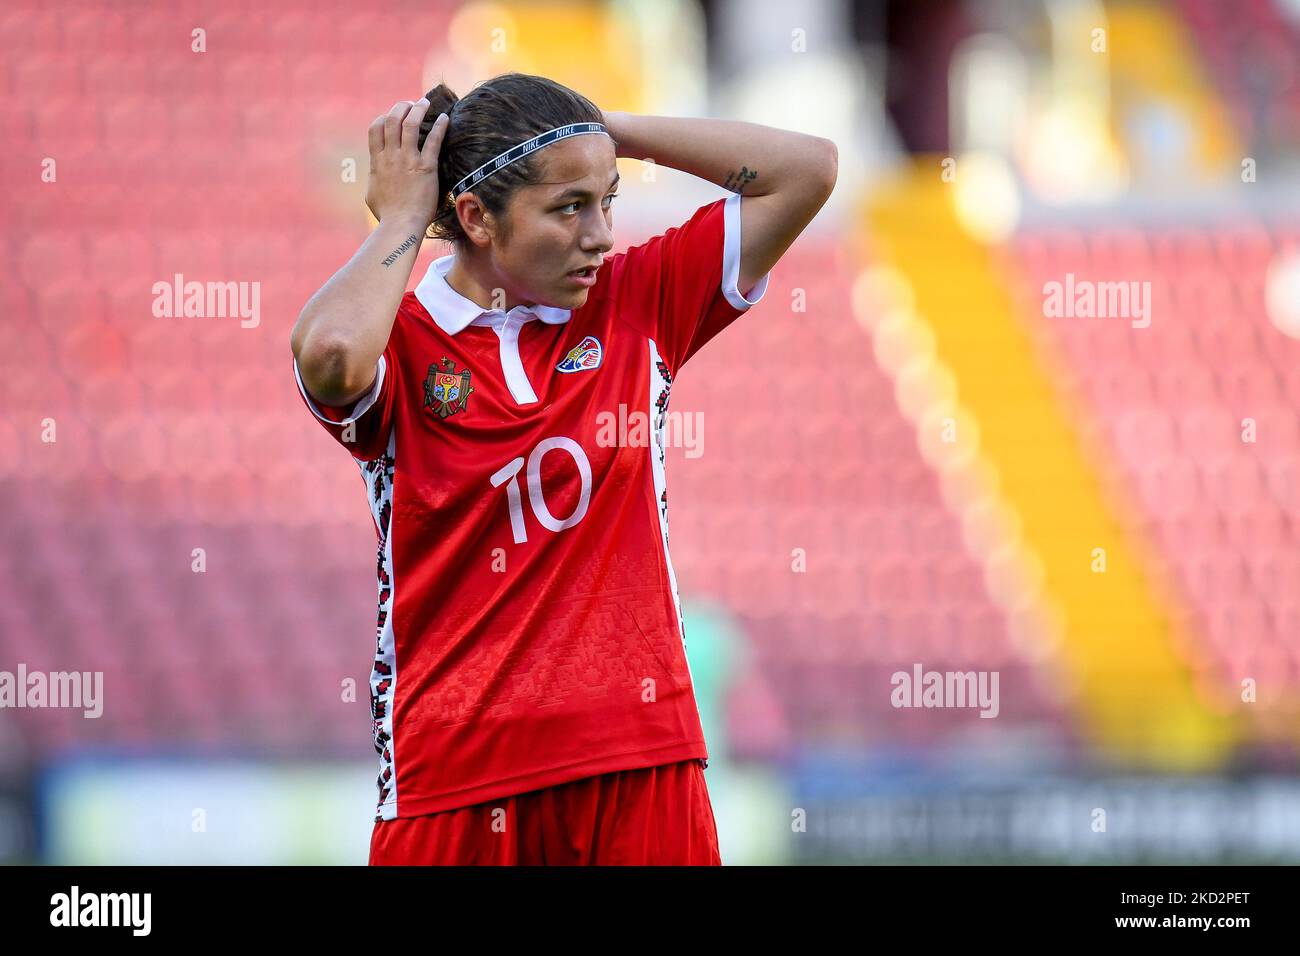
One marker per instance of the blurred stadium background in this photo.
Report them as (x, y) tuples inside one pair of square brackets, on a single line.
[(909, 457)]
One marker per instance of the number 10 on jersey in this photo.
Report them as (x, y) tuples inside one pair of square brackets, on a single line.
[(536, 497)]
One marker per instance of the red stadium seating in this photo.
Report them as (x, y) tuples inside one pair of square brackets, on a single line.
[(1174, 400), (178, 434)]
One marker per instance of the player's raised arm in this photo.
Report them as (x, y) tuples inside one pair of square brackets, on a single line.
[(785, 177), (342, 330)]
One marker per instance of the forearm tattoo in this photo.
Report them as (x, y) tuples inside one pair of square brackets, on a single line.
[(389, 259), (737, 181)]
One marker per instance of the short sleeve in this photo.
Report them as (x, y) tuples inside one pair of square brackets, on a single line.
[(683, 283), (363, 427)]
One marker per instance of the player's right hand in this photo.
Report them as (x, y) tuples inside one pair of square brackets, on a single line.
[(404, 179)]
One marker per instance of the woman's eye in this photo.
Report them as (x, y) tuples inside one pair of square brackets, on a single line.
[(610, 197)]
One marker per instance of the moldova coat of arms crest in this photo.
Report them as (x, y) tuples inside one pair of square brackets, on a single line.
[(446, 391)]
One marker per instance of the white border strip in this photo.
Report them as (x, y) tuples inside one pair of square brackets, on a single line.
[(362, 404), (731, 259), (386, 649), (657, 384)]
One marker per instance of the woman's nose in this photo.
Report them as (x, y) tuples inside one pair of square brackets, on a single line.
[(600, 238)]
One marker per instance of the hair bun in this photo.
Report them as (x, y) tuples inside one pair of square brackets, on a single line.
[(441, 100)]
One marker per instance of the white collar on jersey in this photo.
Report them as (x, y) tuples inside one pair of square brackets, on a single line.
[(453, 312)]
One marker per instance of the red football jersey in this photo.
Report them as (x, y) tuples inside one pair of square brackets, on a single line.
[(529, 628)]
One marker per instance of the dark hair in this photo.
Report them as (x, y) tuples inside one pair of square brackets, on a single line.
[(497, 114)]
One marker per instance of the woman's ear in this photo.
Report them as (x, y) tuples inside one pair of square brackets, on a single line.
[(475, 219)]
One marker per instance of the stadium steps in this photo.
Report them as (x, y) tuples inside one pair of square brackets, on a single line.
[(600, 52), (1030, 499), (1154, 65), (1169, 403)]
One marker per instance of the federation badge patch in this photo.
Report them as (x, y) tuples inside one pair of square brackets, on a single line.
[(446, 390), (583, 357)]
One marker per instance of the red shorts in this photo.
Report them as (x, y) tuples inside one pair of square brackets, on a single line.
[(649, 816)]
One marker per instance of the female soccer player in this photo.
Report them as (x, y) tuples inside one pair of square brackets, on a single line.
[(531, 696)]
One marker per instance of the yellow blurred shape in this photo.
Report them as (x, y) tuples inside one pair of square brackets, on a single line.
[(1030, 502), (587, 47), (1153, 61)]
